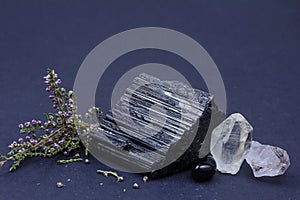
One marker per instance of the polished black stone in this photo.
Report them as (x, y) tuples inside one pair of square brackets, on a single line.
[(204, 169)]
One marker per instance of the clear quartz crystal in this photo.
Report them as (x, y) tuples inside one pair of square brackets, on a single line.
[(230, 142), (266, 160)]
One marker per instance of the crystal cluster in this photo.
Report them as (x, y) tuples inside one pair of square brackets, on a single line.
[(266, 160), (230, 142)]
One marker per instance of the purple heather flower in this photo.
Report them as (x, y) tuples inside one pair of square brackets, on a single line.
[(56, 145), (20, 140), (51, 96), (21, 150), (47, 77), (34, 122), (33, 141), (50, 140), (39, 122), (27, 124), (58, 81), (27, 137), (51, 150), (60, 112), (61, 142), (65, 114), (63, 89), (44, 148), (105, 173), (48, 89), (21, 126)]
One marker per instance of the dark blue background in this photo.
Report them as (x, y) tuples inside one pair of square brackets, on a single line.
[(255, 44)]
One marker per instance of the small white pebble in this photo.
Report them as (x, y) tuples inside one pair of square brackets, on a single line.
[(60, 184), (135, 186)]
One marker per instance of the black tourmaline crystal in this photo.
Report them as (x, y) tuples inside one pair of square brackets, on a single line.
[(157, 127)]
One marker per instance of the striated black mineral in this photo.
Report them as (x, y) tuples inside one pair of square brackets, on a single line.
[(157, 127)]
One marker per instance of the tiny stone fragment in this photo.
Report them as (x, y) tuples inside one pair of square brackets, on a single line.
[(136, 186), (266, 160), (230, 142), (60, 184)]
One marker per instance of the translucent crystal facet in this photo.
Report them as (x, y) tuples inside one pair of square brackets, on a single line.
[(266, 160), (230, 142)]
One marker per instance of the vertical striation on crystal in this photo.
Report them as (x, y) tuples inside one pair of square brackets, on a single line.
[(230, 142), (266, 160)]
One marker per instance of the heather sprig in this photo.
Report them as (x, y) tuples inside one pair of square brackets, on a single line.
[(70, 160), (107, 173), (58, 132)]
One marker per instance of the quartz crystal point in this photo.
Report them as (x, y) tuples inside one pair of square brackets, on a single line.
[(266, 160), (152, 123), (230, 142)]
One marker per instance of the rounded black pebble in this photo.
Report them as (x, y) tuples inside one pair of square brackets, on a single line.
[(204, 169)]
